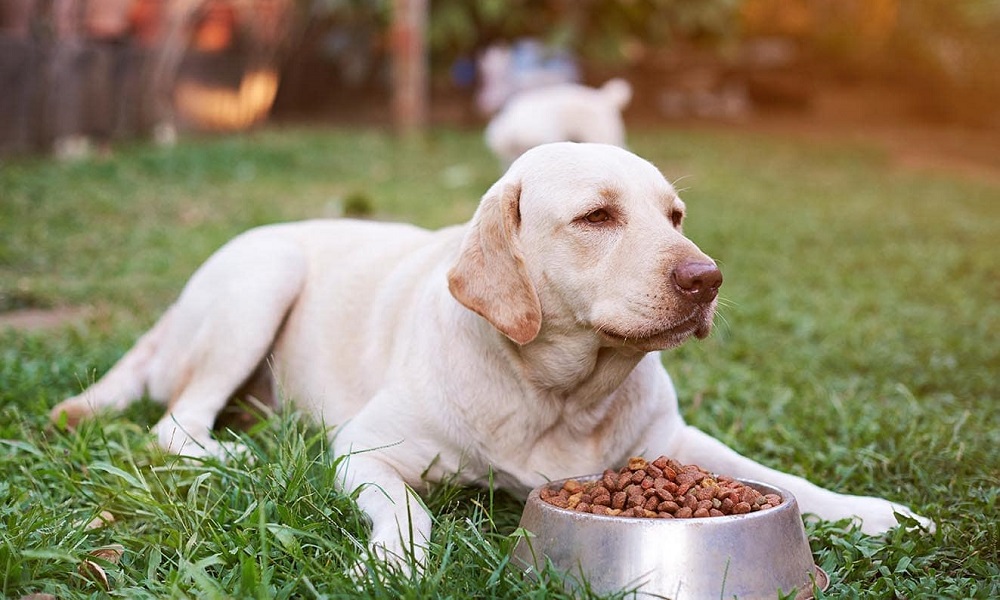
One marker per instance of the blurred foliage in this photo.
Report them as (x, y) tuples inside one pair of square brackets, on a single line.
[(958, 38), (944, 50), (620, 31), (899, 30), (606, 31)]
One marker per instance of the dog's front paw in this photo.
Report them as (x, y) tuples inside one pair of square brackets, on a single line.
[(382, 559), (887, 517), (387, 548), (875, 515)]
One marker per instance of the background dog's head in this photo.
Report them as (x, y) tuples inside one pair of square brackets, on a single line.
[(586, 237)]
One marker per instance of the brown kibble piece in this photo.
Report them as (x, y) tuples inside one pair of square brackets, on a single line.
[(705, 493), (687, 478), (636, 463), (662, 488), (558, 501)]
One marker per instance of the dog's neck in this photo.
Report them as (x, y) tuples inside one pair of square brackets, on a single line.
[(574, 366), (564, 362)]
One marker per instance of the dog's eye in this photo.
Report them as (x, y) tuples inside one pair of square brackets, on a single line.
[(597, 216), (676, 217)]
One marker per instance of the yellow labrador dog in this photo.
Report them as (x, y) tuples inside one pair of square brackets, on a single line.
[(524, 343)]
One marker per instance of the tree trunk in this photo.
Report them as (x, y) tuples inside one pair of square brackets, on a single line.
[(410, 88)]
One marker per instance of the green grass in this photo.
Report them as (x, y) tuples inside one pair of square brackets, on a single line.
[(856, 345)]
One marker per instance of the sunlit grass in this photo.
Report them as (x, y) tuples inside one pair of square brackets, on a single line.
[(856, 345)]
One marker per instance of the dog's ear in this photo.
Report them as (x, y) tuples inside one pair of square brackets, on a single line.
[(618, 92), (490, 277)]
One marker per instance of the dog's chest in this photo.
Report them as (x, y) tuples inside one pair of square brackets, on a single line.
[(555, 440)]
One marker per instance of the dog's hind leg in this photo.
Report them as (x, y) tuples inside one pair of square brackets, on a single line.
[(210, 341), (123, 384), (231, 312)]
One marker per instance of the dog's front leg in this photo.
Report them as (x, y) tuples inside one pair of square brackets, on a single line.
[(690, 445), (401, 526)]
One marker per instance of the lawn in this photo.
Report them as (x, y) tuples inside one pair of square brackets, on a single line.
[(856, 344)]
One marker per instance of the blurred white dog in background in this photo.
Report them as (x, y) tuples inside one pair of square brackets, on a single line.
[(566, 112)]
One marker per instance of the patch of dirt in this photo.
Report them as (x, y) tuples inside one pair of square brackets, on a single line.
[(38, 319)]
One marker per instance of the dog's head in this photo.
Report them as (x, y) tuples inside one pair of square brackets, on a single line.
[(586, 237)]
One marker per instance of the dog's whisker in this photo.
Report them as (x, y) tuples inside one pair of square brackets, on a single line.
[(681, 178), (727, 302), (725, 321)]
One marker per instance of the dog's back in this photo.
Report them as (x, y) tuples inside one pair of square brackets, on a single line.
[(560, 113), (368, 283)]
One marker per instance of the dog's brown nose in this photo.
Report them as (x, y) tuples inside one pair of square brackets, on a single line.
[(698, 280)]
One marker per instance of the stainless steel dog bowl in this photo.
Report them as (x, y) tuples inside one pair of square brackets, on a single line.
[(757, 555)]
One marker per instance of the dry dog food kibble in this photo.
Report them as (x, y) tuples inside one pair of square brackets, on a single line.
[(662, 489)]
